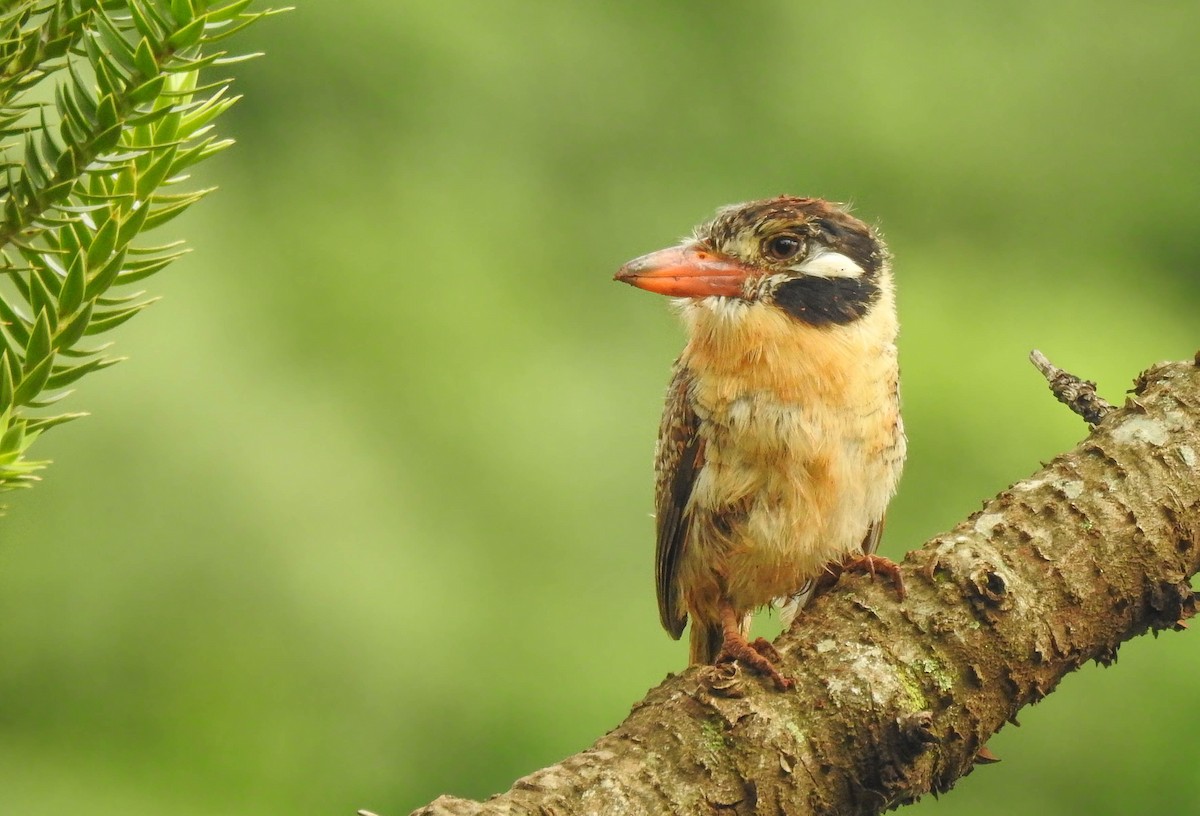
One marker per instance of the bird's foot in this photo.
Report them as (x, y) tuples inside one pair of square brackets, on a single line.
[(876, 565), (765, 648), (758, 656)]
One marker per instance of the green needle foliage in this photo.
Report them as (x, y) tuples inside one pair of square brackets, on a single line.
[(101, 113)]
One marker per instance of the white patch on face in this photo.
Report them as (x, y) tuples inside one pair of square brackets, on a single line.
[(828, 264), (723, 310)]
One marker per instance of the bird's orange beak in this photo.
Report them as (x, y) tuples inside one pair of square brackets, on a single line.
[(686, 271)]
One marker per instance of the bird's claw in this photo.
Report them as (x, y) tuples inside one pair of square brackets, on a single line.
[(873, 565), (765, 648), (758, 656)]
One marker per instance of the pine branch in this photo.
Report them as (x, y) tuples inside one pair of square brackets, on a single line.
[(85, 176), (896, 700)]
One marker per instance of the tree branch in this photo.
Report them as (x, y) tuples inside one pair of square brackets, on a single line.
[(895, 700)]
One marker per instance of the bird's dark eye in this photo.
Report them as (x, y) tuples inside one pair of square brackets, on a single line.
[(782, 247)]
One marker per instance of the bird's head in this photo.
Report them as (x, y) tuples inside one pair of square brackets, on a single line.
[(806, 256)]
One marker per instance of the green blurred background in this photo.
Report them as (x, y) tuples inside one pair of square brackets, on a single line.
[(365, 518)]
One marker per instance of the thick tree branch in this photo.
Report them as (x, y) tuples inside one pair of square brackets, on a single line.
[(895, 700)]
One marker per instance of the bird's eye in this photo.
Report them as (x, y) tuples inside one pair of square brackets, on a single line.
[(782, 247)]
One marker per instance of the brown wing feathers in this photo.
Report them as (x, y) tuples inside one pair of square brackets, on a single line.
[(679, 458)]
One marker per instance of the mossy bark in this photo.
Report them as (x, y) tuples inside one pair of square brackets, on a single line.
[(894, 699)]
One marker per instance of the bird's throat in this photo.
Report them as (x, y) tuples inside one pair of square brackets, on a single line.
[(752, 347)]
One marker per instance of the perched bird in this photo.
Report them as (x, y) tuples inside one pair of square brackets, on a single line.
[(781, 442)]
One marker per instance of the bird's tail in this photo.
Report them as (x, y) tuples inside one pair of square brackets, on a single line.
[(705, 641), (707, 638)]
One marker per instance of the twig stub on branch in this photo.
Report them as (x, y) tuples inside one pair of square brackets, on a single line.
[(1077, 394)]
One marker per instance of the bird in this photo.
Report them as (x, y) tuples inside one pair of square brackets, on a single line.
[(781, 441)]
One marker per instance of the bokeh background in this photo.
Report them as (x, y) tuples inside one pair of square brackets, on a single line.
[(365, 518)]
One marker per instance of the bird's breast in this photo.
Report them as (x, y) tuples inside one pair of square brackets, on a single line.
[(771, 391), (803, 448)]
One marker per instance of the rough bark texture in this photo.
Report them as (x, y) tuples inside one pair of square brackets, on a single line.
[(894, 700)]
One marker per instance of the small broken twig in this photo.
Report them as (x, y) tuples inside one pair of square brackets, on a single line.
[(1077, 394)]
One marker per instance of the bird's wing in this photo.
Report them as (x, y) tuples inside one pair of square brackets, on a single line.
[(678, 459), (874, 533)]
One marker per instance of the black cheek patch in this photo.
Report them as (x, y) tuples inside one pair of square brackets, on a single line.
[(827, 301)]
